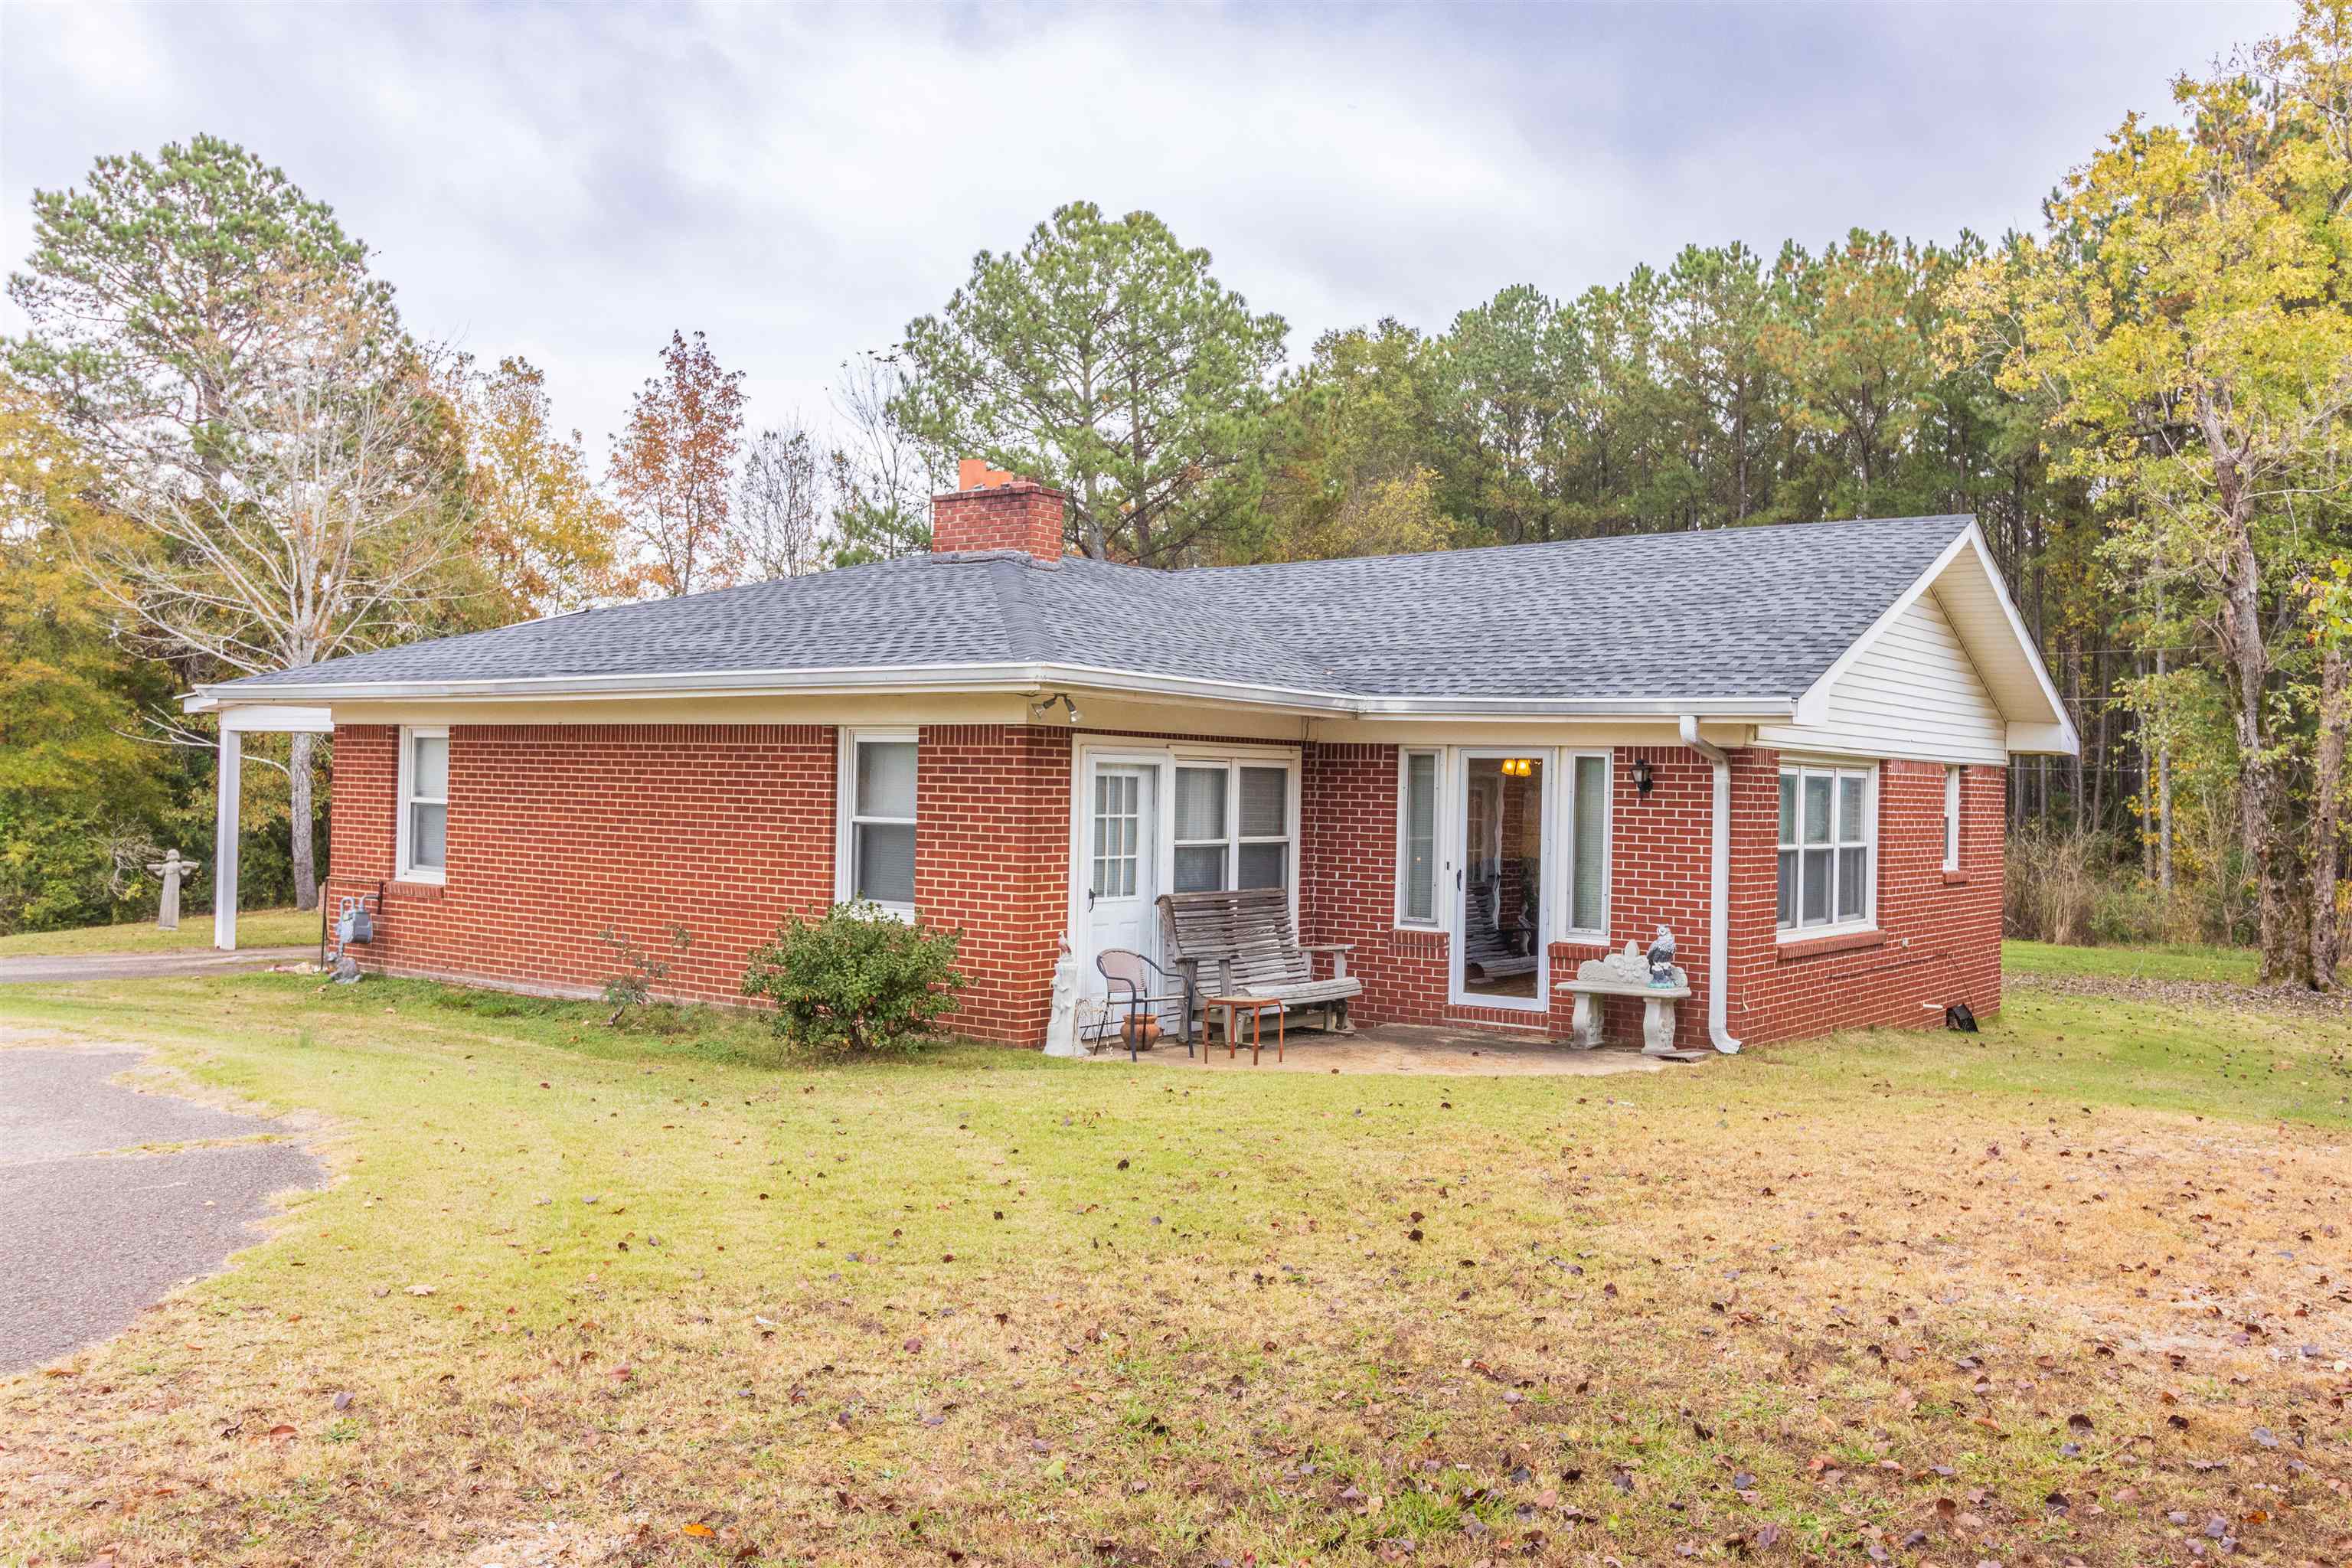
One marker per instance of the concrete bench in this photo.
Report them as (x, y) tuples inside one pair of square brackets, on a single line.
[(1625, 973)]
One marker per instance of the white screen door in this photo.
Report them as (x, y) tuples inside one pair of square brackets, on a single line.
[(1121, 854)]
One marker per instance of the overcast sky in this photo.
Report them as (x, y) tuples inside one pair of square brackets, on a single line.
[(571, 183)]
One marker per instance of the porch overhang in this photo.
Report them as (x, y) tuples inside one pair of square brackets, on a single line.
[(238, 719)]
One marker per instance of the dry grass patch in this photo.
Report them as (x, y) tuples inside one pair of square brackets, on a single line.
[(583, 1298)]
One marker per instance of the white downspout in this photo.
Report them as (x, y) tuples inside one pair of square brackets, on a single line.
[(1718, 896)]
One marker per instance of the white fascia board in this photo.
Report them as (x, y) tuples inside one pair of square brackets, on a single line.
[(2050, 740), (2049, 687), (977, 677)]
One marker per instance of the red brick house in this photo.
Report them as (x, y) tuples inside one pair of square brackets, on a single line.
[(1786, 745)]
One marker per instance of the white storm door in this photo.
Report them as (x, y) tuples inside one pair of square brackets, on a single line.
[(1119, 863)]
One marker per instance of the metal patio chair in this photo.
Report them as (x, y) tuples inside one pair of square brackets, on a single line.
[(1130, 976)]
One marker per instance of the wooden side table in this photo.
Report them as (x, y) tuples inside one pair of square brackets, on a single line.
[(1257, 1007)]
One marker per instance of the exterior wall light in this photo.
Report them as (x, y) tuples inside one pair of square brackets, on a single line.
[(1643, 782)]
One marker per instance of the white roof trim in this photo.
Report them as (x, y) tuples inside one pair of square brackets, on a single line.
[(1813, 706), (1014, 677)]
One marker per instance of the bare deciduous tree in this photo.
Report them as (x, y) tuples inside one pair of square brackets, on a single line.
[(883, 474), (322, 528), (780, 506)]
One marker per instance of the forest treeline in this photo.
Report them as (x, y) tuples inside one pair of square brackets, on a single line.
[(221, 451)]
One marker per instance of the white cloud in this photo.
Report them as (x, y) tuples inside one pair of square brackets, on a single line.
[(573, 183)]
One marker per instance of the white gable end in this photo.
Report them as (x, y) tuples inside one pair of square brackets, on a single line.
[(1913, 693)]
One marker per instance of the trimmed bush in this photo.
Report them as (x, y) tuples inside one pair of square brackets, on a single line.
[(856, 981)]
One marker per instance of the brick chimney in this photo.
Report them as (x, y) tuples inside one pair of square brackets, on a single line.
[(992, 509)]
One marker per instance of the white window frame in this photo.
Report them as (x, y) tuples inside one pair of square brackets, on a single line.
[(1162, 848), (1405, 918), (1565, 928), (1952, 816), (1234, 838), (406, 871), (1834, 769), (846, 817), (1561, 806)]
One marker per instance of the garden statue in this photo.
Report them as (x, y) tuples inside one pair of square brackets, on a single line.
[(1062, 1027), (171, 868), (1662, 959)]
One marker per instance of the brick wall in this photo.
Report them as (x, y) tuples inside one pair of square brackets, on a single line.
[(991, 858), (1937, 934), (1938, 937), (558, 833)]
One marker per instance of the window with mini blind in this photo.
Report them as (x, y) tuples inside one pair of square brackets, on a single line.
[(1231, 827), (1417, 838), (1951, 819), (423, 831), (875, 858), (1828, 844), (1588, 818)]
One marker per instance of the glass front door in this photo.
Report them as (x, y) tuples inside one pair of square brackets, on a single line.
[(1500, 928)]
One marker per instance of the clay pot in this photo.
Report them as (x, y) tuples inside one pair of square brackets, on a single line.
[(1142, 1033)]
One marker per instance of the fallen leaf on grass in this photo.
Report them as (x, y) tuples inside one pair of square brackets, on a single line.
[(420, 1289)]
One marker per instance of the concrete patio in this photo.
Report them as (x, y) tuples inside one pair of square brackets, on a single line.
[(1399, 1048)]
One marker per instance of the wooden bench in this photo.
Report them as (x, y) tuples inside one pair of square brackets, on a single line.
[(1243, 944), (1488, 953), (1627, 974)]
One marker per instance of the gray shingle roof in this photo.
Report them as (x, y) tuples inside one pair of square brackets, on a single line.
[(1736, 613)]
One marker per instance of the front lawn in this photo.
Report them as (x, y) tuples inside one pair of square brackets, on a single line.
[(2075, 1289), (255, 927)]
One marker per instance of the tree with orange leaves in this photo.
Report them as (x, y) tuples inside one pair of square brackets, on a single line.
[(671, 470)]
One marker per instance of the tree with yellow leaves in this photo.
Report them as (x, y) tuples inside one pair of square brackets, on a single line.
[(2185, 322), (544, 533)]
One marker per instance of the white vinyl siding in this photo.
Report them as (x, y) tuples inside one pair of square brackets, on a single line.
[(1912, 694)]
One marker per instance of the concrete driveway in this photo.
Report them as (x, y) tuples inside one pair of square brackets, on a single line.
[(91, 1230), (147, 965)]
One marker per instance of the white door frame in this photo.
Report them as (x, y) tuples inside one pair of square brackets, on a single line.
[(1455, 829), (1082, 796), (1083, 759)]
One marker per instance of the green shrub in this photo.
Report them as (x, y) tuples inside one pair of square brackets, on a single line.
[(856, 981)]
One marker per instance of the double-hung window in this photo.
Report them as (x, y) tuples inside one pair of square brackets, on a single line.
[(1951, 819), (876, 855), (1232, 826), (1827, 842), (424, 833)]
